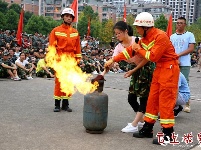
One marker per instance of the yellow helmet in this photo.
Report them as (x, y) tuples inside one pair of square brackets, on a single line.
[(144, 19)]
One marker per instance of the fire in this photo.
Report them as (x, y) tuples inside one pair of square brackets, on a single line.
[(70, 76)]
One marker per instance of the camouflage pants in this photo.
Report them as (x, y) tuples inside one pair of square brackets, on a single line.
[(43, 73), (141, 80), (3, 72), (22, 73), (123, 65)]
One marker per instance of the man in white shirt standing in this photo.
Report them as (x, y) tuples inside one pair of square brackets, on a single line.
[(183, 42)]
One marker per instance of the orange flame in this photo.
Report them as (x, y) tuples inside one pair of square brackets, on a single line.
[(70, 76)]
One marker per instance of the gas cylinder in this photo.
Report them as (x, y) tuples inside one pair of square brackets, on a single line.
[(95, 111)]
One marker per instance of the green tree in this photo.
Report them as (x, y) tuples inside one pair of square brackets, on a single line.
[(33, 25), (194, 28), (2, 21), (89, 13), (3, 7), (161, 22), (96, 28), (45, 26), (12, 19), (53, 23), (107, 32), (15, 7), (27, 16), (198, 23), (84, 17), (82, 24)]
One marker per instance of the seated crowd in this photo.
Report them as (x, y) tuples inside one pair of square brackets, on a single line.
[(22, 62)]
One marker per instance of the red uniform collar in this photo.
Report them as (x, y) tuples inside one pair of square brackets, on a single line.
[(65, 26)]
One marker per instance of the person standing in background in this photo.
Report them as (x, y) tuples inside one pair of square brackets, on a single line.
[(183, 42), (67, 41)]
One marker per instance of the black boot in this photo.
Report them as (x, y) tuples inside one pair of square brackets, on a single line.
[(57, 106), (167, 138), (145, 132), (65, 105)]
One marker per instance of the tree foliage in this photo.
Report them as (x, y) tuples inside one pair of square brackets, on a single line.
[(95, 25), (82, 24), (11, 20), (3, 7), (161, 22), (27, 16), (15, 7), (2, 21), (107, 32)]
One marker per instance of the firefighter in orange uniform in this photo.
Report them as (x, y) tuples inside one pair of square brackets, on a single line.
[(67, 41), (155, 46)]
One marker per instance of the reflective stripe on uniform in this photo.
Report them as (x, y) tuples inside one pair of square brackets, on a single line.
[(73, 34), (147, 55), (78, 55), (65, 97), (61, 34), (126, 54), (167, 121), (57, 97), (147, 48), (151, 116)]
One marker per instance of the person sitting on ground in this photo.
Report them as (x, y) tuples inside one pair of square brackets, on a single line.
[(24, 67), (183, 94), (42, 70), (7, 68), (194, 60), (13, 58), (199, 60)]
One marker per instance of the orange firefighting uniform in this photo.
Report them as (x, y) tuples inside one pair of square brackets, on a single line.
[(67, 41), (156, 47)]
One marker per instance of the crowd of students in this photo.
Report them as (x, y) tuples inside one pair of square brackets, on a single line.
[(21, 62)]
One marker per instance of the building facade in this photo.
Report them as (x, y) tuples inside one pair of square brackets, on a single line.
[(184, 8), (27, 5), (106, 9)]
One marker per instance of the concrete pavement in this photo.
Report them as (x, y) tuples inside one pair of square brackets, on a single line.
[(27, 120)]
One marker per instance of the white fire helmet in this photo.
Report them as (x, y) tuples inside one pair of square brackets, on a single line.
[(68, 11), (144, 19)]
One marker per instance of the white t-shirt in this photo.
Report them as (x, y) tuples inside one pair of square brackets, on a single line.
[(22, 63), (181, 43), (84, 43)]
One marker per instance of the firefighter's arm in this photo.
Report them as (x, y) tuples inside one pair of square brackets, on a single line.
[(78, 54), (161, 44), (52, 46), (52, 38)]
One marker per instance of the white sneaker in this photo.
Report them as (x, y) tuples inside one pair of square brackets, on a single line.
[(29, 78), (17, 79), (95, 72), (129, 128), (140, 124)]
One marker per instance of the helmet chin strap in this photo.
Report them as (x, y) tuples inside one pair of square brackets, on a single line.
[(145, 31)]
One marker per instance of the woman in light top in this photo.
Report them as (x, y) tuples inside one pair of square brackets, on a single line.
[(141, 75)]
